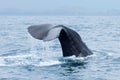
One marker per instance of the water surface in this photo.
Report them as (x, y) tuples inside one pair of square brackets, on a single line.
[(25, 58)]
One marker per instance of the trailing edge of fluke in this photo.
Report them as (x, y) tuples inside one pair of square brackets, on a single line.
[(70, 40)]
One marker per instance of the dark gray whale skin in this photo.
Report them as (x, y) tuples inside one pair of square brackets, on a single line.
[(70, 40)]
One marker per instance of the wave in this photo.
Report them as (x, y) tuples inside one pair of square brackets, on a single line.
[(32, 59)]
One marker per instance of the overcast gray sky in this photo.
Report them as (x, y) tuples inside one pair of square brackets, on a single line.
[(59, 7)]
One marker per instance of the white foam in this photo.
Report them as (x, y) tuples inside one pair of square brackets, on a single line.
[(16, 60), (26, 60), (49, 63), (2, 63)]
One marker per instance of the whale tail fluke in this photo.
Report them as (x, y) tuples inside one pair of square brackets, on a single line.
[(70, 40)]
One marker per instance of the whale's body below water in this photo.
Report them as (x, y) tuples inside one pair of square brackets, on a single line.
[(70, 40)]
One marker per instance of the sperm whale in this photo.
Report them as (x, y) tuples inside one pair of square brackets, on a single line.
[(70, 40)]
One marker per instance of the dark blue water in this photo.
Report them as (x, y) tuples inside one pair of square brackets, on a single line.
[(25, 58)]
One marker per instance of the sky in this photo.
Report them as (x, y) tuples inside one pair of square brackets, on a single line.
[(60, 7)]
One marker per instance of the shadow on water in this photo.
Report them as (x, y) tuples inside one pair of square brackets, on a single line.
[(71, 67), (29, 68), (73, 63)]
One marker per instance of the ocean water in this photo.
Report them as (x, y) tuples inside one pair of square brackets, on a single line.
[(25, 58)]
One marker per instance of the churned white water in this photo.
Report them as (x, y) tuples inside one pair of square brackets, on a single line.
[(24, 58)]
